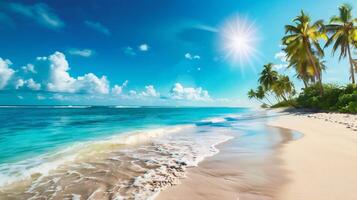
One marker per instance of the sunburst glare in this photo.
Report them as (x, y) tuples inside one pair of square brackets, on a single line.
[(239, 41)]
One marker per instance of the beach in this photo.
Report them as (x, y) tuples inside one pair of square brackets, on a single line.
[(319, 164), (106, 152), (246, 167), (177, 153), (322, 164)]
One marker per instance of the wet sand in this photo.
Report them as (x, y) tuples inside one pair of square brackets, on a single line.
[(320, 165), (132, 166), (247, 168)]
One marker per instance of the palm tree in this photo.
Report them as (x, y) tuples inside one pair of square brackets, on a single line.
[(268, 76), (304, 71), (302, 42), (253, 95), (261, 94), (344, 34), (283, 87)]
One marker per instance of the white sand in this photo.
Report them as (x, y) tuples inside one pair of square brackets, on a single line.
[(323, 164)]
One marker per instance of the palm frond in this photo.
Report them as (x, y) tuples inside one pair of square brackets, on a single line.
[(336, 19)]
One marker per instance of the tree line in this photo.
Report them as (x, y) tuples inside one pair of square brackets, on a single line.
[(304, 44)]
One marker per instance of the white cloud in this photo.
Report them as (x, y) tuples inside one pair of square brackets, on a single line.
[(281, 56), (192, 57), (90, 83), (188, 56), (189, 93), (41, 58), (81, 52), (19, 83), (59, 97), (150, 92), (33, 85), (29, 68), (125, 83), (61, 81), (5, 72), (39, 12), (206, 28), (98, 27), (132, 93), (30, 83), (118, 89), (144, 47), (129, 51)]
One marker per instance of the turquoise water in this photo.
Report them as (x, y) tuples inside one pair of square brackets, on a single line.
[(86, 152), (31, 131)]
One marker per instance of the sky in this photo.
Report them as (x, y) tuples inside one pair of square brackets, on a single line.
[(147, 52)]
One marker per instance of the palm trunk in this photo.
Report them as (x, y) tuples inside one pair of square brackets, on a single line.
[(268, 101), (317, 72), (351, 64), (260, 101), (275, 96), (266, 98), (305, 83), (284, 98), (313, 80)]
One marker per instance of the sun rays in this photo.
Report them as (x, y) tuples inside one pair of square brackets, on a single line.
[(239, 41)]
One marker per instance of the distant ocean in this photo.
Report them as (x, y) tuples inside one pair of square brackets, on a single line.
[(104, 152)]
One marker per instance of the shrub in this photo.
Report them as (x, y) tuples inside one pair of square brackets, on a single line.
[(335, 98), (288, 103)]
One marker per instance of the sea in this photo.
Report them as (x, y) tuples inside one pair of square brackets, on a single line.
[(108, 152)]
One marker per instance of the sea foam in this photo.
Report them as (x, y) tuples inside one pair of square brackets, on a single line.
[(132, 165)]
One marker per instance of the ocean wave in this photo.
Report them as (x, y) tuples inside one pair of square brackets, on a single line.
[(214, 120), (47, 107), (133, 165), (12, 172), (221, 119), (126, 106)]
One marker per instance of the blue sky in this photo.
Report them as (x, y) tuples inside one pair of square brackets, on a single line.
[(148, 52)]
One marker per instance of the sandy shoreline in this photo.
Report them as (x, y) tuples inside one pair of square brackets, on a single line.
[(247, 167), (321, 165)]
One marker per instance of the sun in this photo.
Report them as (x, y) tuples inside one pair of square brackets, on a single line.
[(239, 40)]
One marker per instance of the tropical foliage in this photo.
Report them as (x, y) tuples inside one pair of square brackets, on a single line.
[(344, 35), (335, 98), (272, 84), (304, 44), (303, 49)]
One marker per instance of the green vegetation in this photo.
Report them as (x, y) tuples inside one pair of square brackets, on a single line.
[(302, 46), (303, 49), (344, 34), (335, 98)]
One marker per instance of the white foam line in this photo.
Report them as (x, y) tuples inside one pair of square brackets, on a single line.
[(22, 170)]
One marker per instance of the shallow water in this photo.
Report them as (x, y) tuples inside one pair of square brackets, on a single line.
[(104, 152), (248, 166), (116, 153)]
